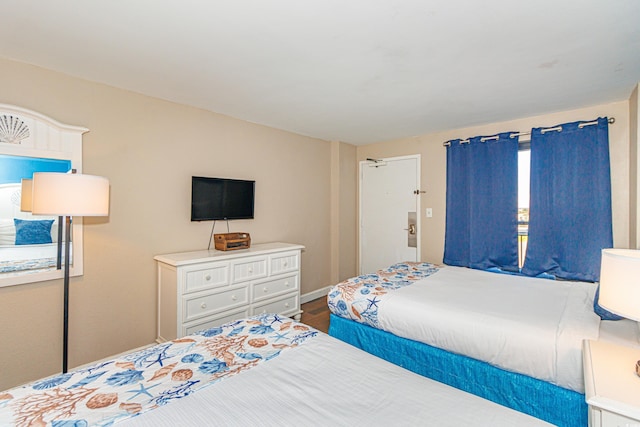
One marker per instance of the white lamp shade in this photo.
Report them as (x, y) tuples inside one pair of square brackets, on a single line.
[(620, 282), (26, 194), (70, 194)]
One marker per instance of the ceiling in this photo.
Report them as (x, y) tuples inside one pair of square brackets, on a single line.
[(358, 71)]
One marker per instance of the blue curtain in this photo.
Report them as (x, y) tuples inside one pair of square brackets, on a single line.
[(570, 201), (482, 203)]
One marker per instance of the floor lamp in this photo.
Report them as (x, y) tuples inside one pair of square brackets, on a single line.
[(68, 195)]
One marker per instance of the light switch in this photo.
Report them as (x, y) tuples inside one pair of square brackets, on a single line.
[(429, 212)]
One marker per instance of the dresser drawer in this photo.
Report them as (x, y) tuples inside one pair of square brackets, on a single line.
[(217, 320), (286, 305), (206, 277), (271, 288), (285, 262), (248, 269), (201, 305)]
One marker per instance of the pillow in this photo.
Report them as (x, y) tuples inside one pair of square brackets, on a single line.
[(603, 312), (33, 232)]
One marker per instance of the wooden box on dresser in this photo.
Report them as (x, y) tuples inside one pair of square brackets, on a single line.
[(203, 289)]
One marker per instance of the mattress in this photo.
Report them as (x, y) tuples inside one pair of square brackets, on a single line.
[(313, 379), (525, 325)]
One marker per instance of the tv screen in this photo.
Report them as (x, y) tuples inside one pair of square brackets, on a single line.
[(221, 199)]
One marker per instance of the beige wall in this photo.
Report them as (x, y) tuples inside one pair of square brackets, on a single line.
[(343, 211), (433, 167), (634, 162), (345, 220), (149, 149), (348, 223)]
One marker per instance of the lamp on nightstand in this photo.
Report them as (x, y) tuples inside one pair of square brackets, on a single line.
[(620, 284), (68, 195)]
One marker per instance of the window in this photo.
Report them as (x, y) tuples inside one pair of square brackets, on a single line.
[(524, 162)]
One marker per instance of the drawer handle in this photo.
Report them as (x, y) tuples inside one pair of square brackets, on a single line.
[(203, 305), (207, 277), (233, 297), (265, 289), (250, 269), (285, 263), (286, 304), (286, 283)]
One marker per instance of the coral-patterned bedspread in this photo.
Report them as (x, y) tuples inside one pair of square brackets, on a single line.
[(358, 298), (114, 390)]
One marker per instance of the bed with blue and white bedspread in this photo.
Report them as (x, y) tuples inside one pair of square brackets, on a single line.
[(267, 370), (505, 337), (135, 383)]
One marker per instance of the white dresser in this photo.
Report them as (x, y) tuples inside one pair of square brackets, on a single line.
[(203, 289)]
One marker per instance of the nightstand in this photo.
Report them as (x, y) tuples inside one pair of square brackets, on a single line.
[(612, 388)]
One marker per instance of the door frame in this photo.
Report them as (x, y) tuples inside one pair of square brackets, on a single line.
[(366, 163)]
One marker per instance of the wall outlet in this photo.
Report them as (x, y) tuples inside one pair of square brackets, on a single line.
[(429, 212)]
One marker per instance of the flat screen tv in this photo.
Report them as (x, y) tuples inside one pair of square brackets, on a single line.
[(221, 199)]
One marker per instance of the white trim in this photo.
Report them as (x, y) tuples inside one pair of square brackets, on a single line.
[(35, 115), (318, 293)]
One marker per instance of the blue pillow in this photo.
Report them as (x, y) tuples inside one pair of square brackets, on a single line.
[(603, 312), (35, 232)]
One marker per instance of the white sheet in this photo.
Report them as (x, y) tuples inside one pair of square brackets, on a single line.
[(328, 382), (28, 252), (525, 325), (624, 332), (29, 258)]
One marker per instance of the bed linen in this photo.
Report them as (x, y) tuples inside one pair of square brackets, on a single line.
[(27, 257), (526, 325), (300, 376), (624, 332), (326, 382), (137, 382), (543, 400)]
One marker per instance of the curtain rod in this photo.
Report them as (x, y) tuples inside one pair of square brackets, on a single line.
[(611, 121)]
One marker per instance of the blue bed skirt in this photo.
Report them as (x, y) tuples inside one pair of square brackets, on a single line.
[(540, 399)]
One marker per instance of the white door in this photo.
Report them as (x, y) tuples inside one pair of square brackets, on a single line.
[(389, 207)]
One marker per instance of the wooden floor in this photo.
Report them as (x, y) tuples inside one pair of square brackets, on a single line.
[(316, 313)]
